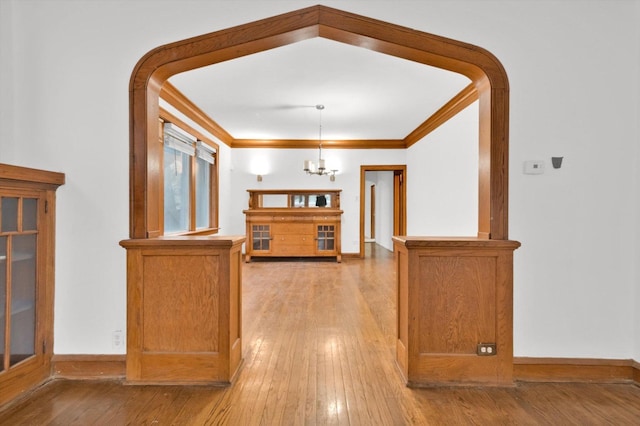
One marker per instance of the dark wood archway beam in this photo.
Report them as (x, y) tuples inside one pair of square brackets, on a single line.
[(485, 71)]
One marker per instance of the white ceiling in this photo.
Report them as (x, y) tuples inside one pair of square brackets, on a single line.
[(272, 94)]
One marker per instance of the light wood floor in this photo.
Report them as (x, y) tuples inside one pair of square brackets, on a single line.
[(318, 349)]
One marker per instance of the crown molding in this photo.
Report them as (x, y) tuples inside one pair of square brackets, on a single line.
[(463, 99), (311, 143), (179, 101)]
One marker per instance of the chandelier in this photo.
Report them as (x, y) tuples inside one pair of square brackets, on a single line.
[(319, 169)]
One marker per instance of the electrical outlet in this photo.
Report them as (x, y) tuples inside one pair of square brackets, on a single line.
[(487, 349), (117, 339)]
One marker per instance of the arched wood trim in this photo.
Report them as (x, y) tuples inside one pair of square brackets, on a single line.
[(479, 65)]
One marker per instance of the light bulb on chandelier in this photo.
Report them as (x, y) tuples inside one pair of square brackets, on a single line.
[(319, 169)]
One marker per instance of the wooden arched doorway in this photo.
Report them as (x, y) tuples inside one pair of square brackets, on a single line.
[(485, 71), (479, 266)]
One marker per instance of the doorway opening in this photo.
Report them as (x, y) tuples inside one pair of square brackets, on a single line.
[(157, 66), (489, 82), (372, 215), (386, 208)]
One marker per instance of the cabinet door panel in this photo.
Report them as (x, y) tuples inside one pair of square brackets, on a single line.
[(260, 237), (326, 237), (23, 297), (3, 297)]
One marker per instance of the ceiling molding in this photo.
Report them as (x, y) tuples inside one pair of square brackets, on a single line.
[(311, 143), (463, 99), (158, 65), (179, 101)]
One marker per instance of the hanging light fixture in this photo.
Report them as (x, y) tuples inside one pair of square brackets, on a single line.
[(319, 169)]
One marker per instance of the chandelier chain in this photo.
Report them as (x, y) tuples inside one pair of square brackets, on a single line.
[(309, 167)]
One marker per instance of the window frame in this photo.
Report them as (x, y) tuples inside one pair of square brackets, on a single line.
[(167, 117)]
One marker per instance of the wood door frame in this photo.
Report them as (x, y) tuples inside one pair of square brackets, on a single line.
[(479, 65), (372, 211), (399, 199)]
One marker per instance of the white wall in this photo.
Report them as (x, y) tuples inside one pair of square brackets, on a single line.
[(571, 66), (6, 79), (574, 275), (442, 179)]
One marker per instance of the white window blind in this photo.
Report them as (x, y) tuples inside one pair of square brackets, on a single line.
[(178, 139), (205, 152)]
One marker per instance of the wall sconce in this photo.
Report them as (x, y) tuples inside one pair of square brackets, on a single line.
[(259, 178), (556, 162)]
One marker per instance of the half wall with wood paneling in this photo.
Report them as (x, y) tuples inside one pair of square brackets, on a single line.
[(184, 314), (454, 295)]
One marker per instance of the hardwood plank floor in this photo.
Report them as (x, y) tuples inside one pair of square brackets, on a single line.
[(318, 350)]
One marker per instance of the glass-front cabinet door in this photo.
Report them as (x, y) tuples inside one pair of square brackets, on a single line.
[(27, 271), (326, 237), (261, 237), (18, 278)]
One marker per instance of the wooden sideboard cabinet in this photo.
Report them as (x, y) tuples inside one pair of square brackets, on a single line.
[(27, 225), (293, 223)]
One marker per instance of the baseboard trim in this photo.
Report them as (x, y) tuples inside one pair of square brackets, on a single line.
[(88, 366), (351, 255), (587, 370), (525, 369)]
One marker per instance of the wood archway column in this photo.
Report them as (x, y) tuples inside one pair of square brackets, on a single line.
[(479, 65)]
